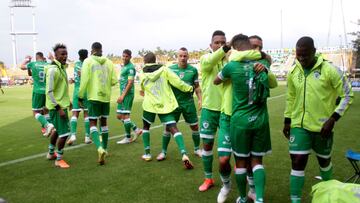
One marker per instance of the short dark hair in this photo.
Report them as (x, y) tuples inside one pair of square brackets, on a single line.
[(218, 32), (83, 54), (127, 51), (305, 42), (96, 46), (59, 46), (255, 37), (40, 54), (183, 49), (238, 40), (150, 58)]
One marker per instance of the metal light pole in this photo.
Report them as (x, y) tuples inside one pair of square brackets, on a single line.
[(21, 4)]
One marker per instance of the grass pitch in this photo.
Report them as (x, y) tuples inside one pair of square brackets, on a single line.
[(26, 176)]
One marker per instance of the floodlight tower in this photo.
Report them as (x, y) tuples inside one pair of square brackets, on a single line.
[(21, 4)]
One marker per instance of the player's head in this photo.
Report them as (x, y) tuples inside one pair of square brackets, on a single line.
[(256, 42), (39, 56), (96, 49), (182, 57), (83, 54), (126, 56), (305, 52), (60, 53), (149, 58), (218, 39), (240, 42)]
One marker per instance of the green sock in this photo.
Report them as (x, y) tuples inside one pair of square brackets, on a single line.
[(73, 125), (196, 139), (87, 126), (165, 141), (207, 159), (240, 177), (127, 126), (105, 136), (225, 178), (51, 149), (133, 126), (47, 117), (250, 180), (41, 119), (180, 142), (95, 136), (146, 140), (326, 173), (60, 153), (259, 181), (297, 180)]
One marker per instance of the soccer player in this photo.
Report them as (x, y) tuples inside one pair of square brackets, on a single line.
[(210, 65), (36, 70), (188, 74), (159, 100), (311, 111), (58, 102), (76, 109), (125, 101), (249, 123), (97, 76)]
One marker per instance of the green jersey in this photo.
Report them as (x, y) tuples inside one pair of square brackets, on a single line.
[(127, 73), (77, 70), (249, 93), (190, 76), (38, 75)]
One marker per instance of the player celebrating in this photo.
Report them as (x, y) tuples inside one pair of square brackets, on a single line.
[(311, 112), (159, 100), (97, 76), (83, 54), (126, 98), (36, 70), (188, 74), (58, 101)]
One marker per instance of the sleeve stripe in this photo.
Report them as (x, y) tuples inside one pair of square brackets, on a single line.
[(347, 98)]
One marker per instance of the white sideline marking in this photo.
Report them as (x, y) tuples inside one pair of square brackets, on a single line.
[(83, 145)]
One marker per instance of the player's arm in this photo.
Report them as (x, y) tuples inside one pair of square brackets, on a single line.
[(290, 98), (50, 86), (341, 85), (114, 79), (85, 77), (128, 87), (24, 65), (223, 75), (175, 81), (208, 61), (245, 55), (198, 89)]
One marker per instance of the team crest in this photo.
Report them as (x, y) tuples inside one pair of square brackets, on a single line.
[(181, 75), (131, 71), (205, 124), (317, 74)]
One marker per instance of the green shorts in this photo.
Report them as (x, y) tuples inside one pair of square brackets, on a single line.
[(38, 101), (126, 105), (98, 109), (75, 102), (164, 118), (188, 110), (209, 122), (255, 141), (61, 124), (302, 141), (224, 144)]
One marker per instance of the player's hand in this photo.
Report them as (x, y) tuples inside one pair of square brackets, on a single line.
[(71, 106), (258, 68), (286, 131), (327, 128), (120, 99), (142, 93), (28, 59), (62, 113), (71, 81), (80, 103)]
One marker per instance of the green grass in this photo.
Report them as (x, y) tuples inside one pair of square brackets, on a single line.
[(125, 177)]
